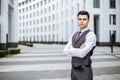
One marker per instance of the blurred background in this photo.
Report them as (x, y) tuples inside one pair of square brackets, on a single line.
[(53, 21)]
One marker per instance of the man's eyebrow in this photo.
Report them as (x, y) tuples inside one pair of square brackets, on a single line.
[(82, 18)]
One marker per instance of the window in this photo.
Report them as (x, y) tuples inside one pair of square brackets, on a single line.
[(20, 31), (45, 1), (62, 14), (45, 19), (41, 29), (30, 23), (41, 3), (112, 19), (33, 22), (23, 24), (26, 30), (23, 17), (49, 27), (26, 8), (41, 12), (49, 18), (26, 23), (53, 17), (33, 30), (37, 29), (53, 6), (19, 10), (34, 6), (112, 3), (30, 7), (53, 27), (23, 10), (23, 31), (37, 21), (26, 16), (45, 29), (22, 3), (45, 10), (30, 15), (41, 20), (72, 11), (33, 14), (37, 13), (19, 3), (37, 5), (96, 3)]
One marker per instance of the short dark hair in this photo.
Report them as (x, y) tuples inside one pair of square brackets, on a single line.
[(83, 13)]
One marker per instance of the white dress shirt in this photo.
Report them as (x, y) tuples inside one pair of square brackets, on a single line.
[(89, 44)]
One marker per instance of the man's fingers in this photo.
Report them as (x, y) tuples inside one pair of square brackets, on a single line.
[(83, 46)]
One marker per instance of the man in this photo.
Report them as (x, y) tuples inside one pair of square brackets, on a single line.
[(80, 47)]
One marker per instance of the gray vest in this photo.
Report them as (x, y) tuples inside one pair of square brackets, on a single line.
[(77, 61)]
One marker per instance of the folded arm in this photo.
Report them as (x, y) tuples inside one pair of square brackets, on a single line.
[(84, 49)]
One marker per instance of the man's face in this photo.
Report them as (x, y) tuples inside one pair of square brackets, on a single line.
[(83, 21)]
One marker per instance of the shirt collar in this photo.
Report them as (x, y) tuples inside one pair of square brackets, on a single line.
[(83, 30)]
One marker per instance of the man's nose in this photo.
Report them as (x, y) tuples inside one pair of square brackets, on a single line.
[(82, 20)]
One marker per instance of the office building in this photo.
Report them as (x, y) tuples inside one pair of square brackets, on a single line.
[(55, 20)]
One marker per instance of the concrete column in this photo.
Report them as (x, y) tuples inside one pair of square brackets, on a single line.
[(4, 23), (8, 23), (13, 25)]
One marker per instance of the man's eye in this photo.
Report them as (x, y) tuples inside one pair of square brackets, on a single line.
[(84, 19)]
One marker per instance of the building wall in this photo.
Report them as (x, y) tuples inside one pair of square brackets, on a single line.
[(55, 20), (8, 22)]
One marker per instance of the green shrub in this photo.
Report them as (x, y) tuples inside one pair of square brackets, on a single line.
[(10, 52), (26, 43), (13, 50), (29, 44), (2, 53)]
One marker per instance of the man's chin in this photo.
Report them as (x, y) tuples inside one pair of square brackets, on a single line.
[(82, 27)]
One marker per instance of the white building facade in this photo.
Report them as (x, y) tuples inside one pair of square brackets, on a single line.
[(55, 20), (8, 23)]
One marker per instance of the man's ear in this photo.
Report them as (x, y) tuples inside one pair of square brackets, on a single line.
[(88, 20)]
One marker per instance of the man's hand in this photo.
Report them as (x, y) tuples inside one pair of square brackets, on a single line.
[(71, 46), (82, 46)]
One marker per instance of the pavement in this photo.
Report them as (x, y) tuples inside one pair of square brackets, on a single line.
[(47, 62)]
